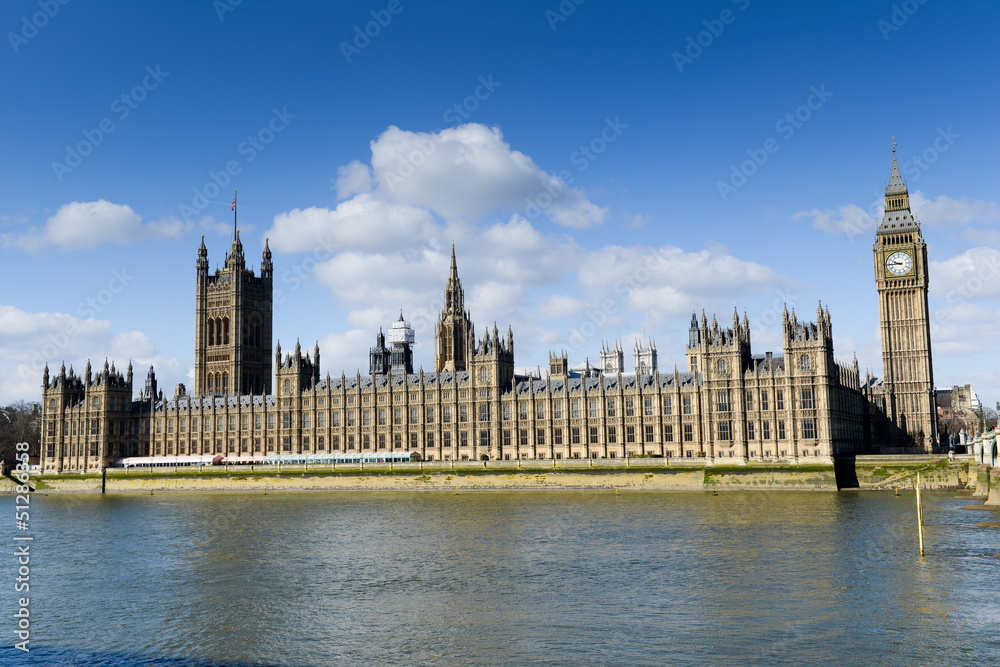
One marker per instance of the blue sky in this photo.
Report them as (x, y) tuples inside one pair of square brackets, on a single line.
[(363, 157)]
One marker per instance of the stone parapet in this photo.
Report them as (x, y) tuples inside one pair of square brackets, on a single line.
[(993, 497)]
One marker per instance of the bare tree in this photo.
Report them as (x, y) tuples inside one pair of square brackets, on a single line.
[(19, 422)]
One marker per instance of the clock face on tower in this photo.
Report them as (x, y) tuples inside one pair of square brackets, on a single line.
[(899, 263)]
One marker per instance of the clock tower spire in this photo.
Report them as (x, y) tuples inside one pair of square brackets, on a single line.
[(901, 279)]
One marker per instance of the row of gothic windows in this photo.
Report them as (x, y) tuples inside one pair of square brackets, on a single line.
[(218, 332)]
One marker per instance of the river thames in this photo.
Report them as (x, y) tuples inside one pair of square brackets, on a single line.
[(505, 578)]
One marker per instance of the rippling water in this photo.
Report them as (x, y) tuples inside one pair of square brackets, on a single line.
[(504, 578)]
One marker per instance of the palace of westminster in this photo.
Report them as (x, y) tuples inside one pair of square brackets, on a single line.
[(730, 405)]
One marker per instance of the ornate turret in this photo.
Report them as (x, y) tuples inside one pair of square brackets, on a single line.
[(401, 338), (236, 261), (897, 202), (202, 263), (612, 358), (150, 391), (453, 336), (645, 358), (266, 267), (380, 358)]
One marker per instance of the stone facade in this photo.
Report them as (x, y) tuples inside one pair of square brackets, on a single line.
[(907, 392), (730, 405)]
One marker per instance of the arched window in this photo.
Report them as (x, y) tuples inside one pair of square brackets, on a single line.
[(225, 382), (483, 375), (211, 381), (225, 331), (288, 385), (211, 332), (805, 362), (722, 365)]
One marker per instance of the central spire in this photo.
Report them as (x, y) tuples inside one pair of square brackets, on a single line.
[(897, 201), (896, 185), (453, 332), (454, 295)]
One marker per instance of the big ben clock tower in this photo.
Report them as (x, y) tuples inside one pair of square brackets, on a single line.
[(901, 278)]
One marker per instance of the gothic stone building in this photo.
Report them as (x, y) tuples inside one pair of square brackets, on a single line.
[(729, 405)]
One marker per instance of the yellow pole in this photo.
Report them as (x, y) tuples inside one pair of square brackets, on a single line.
[(920, 518)]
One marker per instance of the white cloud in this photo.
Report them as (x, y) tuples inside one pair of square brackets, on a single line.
[(387, 248), (942, 211), (952, 324), (361, 222), (636, 220), (667, 281), (30, 340), (352, 179), (945, 211), (345, 352), (496, 302), (971, 275), (81, 225), (559, 306), (851, 220), (132, 345), (468, 172)]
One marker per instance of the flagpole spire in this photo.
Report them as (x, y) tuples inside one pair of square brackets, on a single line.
[(234, 216)]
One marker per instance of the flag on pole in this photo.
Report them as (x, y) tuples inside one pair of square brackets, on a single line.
[(233, 208)]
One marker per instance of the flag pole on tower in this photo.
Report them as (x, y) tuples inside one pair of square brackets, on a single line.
[(234, 216)]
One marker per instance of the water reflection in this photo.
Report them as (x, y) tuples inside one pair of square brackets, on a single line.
[(501, 578)]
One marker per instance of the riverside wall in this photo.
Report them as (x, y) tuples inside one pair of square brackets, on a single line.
[(881, 473)]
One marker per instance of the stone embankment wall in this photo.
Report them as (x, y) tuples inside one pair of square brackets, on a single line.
[(900, 472), (881, 473), (993, 496)]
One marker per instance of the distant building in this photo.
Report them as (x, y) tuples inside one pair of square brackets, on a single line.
[(959, 399)]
